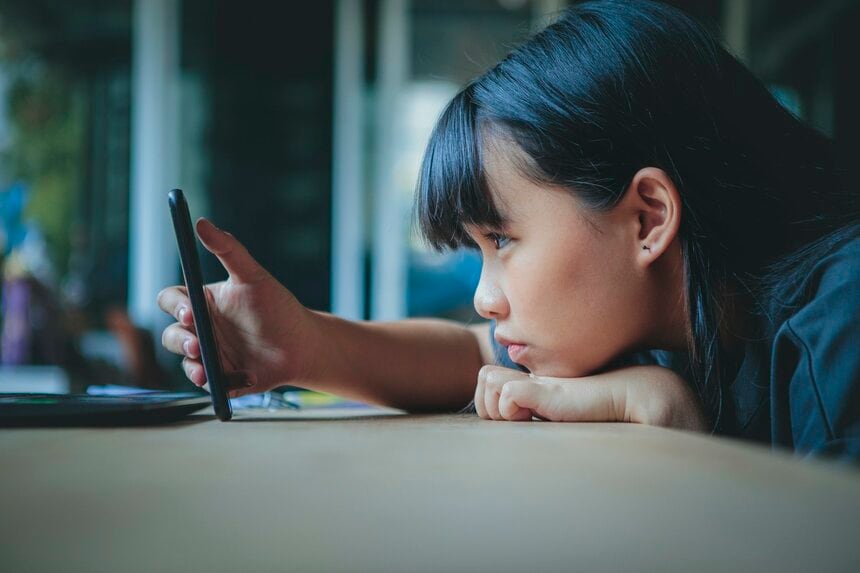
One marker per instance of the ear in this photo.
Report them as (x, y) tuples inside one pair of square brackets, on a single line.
[(654, 206)]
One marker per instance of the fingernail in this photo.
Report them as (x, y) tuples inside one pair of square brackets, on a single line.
[(186, 347), (182, 312)]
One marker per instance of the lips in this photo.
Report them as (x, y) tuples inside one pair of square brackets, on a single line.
[(515, 352), (515, 348)]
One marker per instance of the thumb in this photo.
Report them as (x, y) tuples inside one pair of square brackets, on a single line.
[(237, 383), (240, 383), (565, 400), (232, 254), (521, 399)]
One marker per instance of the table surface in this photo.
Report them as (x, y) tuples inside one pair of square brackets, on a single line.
[(332, 491)]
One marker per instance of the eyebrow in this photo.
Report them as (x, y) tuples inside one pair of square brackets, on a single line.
[(482, 228), (500, 211), (505, 219), (503, 222)]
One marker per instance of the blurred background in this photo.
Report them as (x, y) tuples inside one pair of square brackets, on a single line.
[(299, 127)]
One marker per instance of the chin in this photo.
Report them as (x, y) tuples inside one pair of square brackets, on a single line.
[(557, 371)]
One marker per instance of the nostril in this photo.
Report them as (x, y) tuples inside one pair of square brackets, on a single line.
[(490, 301)]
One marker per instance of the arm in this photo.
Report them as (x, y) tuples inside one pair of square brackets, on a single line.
[(415, 365), (267, 338), (650, 395)]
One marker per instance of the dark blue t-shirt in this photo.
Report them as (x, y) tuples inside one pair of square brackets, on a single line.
[(798, 385)]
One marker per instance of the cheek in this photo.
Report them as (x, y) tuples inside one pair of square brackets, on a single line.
[(580, 301)]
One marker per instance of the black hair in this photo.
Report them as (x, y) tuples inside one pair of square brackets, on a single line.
[(612, 87)]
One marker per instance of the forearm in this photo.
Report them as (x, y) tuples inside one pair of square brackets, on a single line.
[(414, 365), (642, 394)]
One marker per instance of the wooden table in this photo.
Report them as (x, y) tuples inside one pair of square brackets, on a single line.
[(286, 492)]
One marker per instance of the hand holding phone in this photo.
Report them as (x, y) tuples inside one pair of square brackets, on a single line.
[(187, 243), (265, 337)]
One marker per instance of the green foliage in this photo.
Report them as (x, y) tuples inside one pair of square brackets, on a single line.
[(47, 118)]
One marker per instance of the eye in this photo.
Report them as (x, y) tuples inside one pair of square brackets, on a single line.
[(499, 240)]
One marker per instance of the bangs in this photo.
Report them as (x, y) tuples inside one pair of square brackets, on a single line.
[(452, 188)]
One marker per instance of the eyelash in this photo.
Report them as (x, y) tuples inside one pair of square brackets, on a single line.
[(498, 239)]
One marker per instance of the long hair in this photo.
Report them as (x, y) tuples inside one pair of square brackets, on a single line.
[(612, 87)]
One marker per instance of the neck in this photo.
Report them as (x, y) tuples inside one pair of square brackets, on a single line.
[(671, 320)]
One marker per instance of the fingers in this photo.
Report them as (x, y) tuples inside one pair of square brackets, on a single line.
[(194, 371), (506, 394), (174, 301), (486, 376), (180, 340), (479, 395), (561, 399), (518, 400), (238, 383), (489, 403), (531, 398), (232, 254), (492, 390)]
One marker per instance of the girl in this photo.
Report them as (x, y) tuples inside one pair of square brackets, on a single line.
[(662, 243)]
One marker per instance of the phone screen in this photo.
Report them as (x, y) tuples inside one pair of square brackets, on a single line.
[(187, 242)]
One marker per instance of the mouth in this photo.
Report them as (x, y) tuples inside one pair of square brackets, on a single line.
[(515, 349)]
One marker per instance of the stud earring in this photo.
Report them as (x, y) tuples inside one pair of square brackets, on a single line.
[(646, 248)]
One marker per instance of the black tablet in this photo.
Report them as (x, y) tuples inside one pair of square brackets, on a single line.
[(85, 410), (187, 242)]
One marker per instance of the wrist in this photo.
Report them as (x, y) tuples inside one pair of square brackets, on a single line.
[(302, 350), (663, 398), (321, 343), (679, 409)]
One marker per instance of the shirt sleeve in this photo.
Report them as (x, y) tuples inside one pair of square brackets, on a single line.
[(820, 359)]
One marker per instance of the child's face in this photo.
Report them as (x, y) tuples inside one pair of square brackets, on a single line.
[(573, 291)]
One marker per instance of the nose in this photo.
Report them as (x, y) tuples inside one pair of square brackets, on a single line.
[(490, 301)]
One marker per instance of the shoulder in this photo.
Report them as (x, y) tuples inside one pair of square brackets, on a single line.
[(830, 292), (825, 322), (829, 266), (816, 349), (841, 262)]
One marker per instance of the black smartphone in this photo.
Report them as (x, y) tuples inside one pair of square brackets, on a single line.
[(187, 243)]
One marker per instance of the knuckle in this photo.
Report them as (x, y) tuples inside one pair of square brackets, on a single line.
[(496, 381), (171, 338), (513, 387), (165, 297), (485, 371), (489, 373)]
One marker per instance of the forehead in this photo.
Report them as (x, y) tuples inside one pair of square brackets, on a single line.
[(503, 164), (514, 194)]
